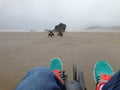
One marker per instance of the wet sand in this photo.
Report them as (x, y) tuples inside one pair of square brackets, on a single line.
[(20, 52)]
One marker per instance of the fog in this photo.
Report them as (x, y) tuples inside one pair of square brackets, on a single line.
[(45, 14)]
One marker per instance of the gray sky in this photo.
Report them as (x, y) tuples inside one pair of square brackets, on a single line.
[(45, 14)]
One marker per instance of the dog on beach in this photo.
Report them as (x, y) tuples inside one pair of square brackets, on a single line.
[(60, 34), (51, 34)]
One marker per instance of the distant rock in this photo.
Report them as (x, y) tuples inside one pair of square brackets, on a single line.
[(93, 27), (103, 28), (61, 27), (47, 30), (33, 30)]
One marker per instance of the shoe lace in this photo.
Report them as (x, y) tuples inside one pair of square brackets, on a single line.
[(59, 75), (104, 78)]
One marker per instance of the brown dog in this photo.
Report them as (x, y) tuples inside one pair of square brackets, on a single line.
[(51, 34), (60, 34)]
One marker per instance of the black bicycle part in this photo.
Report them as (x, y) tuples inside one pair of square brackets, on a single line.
[(74, 72), (81, 80)]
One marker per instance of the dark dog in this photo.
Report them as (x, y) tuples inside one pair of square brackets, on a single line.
[(51, 34), (60, 34)]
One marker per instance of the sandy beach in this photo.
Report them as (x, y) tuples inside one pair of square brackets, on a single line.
[(20, 51)]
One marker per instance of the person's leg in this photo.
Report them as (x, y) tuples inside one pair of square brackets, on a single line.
[(114, 83), (41, 78), (102, 73)]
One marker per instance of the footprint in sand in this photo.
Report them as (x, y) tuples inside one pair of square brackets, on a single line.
[(10, 58), (91, 42), (39, 60), (9, 51)]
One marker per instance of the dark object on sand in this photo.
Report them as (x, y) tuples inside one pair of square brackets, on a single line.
[(60, 28), (60, 34), (77, 83), (51, 34)]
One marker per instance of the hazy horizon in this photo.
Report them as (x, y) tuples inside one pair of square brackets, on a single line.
[(45, 14)]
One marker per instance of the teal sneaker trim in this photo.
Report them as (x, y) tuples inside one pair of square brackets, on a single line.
[(102, 67), (56, 64)]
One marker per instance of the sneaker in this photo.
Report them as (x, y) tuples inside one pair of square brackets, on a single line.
[(102, 73), (57, 67)]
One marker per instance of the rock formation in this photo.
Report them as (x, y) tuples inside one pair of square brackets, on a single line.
[(60, 28)]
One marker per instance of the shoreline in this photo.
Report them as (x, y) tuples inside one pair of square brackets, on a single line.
[(101, 30)]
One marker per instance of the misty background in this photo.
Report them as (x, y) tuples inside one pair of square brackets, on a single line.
[(45, 14)]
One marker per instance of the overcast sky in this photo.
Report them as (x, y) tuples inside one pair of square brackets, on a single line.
[(45, 14)]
